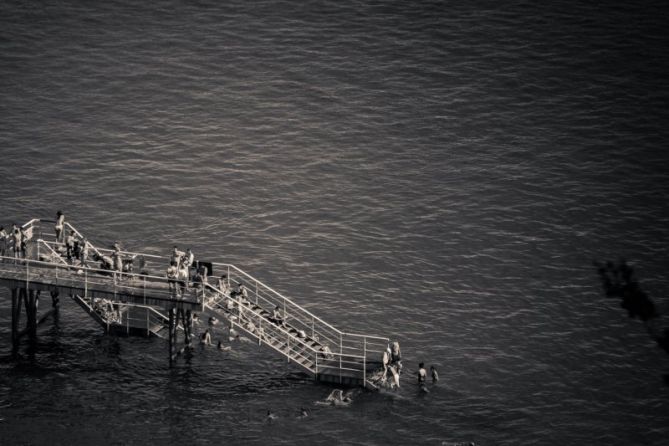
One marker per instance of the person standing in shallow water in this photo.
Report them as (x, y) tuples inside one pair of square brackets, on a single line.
[(435, 375), (422, 374)]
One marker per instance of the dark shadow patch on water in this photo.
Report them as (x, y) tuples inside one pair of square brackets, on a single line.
[(619, 281)]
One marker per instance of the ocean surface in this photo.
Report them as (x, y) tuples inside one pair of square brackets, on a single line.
[(441, 173)]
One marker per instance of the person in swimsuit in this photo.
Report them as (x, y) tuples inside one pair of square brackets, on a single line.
[(176, 256), (422, 374), (276, 317), (60, 224), (84, 253), (386, 363), (182, 277), (188, 260), (205, 339), (171, 274), (24, 243), (435, 375), (16, 238), (69, 246), (396, 357), (118, 260), (223, 286), (3, 242)]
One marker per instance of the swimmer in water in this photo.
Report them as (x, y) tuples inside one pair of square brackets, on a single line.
[(270, 416), (303, 413), (422, 374), (422, 377), (337, 398), (435, 375), (223, 348), (205, 339)]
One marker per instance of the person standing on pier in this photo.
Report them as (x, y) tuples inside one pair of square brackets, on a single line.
[(118, 260), (172, 273), (3, 242), (182, 277), (69, 246), (188, 260), (176, 256), (223, 285), (24, 243), (16, 239), (84, 252), (60, 224)]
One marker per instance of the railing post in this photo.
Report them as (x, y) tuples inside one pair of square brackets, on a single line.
[(85, 284), (340, 355), (364, 362), (312, 327), (256, 292)]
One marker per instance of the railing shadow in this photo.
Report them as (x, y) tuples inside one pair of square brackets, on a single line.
[(619, 281)]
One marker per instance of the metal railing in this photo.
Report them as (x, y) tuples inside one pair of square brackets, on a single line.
[(345, 348), (88, 278)]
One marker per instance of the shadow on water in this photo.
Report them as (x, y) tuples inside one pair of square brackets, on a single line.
[(619, 281)]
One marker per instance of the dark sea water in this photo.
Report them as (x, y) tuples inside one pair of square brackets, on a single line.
[(440, 173)]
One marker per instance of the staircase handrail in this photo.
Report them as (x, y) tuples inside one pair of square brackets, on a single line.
[(53, 251), (34, 221)]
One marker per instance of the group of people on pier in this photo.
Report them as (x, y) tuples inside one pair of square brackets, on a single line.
[(77, 250), (14, 242), (179, 272)]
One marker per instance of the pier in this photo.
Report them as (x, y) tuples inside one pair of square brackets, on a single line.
[(140, 301)]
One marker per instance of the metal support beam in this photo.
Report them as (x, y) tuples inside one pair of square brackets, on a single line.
[(16, 316), (172, 335)]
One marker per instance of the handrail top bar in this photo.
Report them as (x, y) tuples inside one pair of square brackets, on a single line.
[(75, 267), (30, 222), (280, 295), (358, 335), (276, 327)]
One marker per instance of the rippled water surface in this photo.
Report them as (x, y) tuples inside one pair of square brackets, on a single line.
[(440, 173)]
